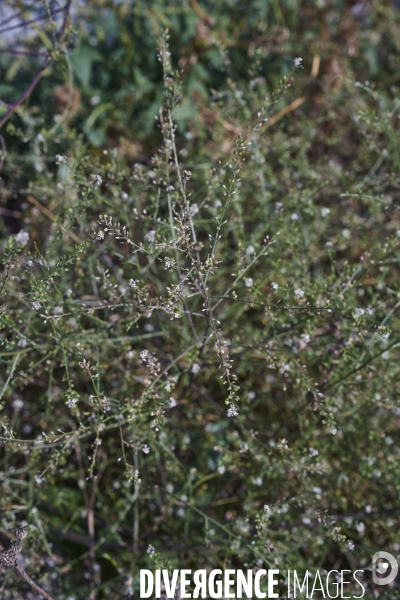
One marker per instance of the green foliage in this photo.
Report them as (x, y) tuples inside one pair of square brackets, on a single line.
[(199, 335)]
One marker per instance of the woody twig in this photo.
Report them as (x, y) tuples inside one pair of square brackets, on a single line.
[(8, 557)]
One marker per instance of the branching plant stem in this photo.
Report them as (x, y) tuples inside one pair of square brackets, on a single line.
[(50, 56)]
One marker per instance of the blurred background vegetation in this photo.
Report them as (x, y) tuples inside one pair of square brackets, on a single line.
[(117, 83), (114, 466)]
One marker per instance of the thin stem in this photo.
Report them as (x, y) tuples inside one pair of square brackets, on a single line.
[(22, 52), (10, 375), (16, 15), (35, 20), (3, 152), (31, 582), (359, 367), (44, 66), (26, 92), (136, 508)]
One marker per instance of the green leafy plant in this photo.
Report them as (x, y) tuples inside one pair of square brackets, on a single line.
[(199, 341)]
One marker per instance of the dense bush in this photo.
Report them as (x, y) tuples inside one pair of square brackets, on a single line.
[(199, 320)]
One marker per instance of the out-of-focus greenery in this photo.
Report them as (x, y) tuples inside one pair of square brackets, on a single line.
[(199, 295), (117, 78)]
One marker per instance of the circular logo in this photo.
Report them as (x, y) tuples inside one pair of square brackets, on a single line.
[(381, 562)]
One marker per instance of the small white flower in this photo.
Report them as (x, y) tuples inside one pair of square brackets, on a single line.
[(36, 305), (257, 481), (144, 355), (145, 449), (325, 211), (294, 216), (350, 546), (297, 62), (99, 235), (60, 159), (171, 402), (170, 188), (85, 365), (194, 209), (17, 404), (360, 527), (133, 283), (314, 452), (221, 469), (97, 180), (94, 100), (22, 238), (169, 263), (283, 444), (232, 411), (248, 282), (358, 312), (267, 509), (274, 286), (72, 402), (196, 368), (150, 549), (22, 342), (150, 236), (250, 250), (299, 293)]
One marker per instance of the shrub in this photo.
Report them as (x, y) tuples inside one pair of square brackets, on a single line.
[(199, 349)]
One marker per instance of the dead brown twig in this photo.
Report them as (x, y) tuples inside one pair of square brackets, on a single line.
[(50, 215), (299, 101), (31, 582), (201, 13), (287, 109), (8, 557)]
